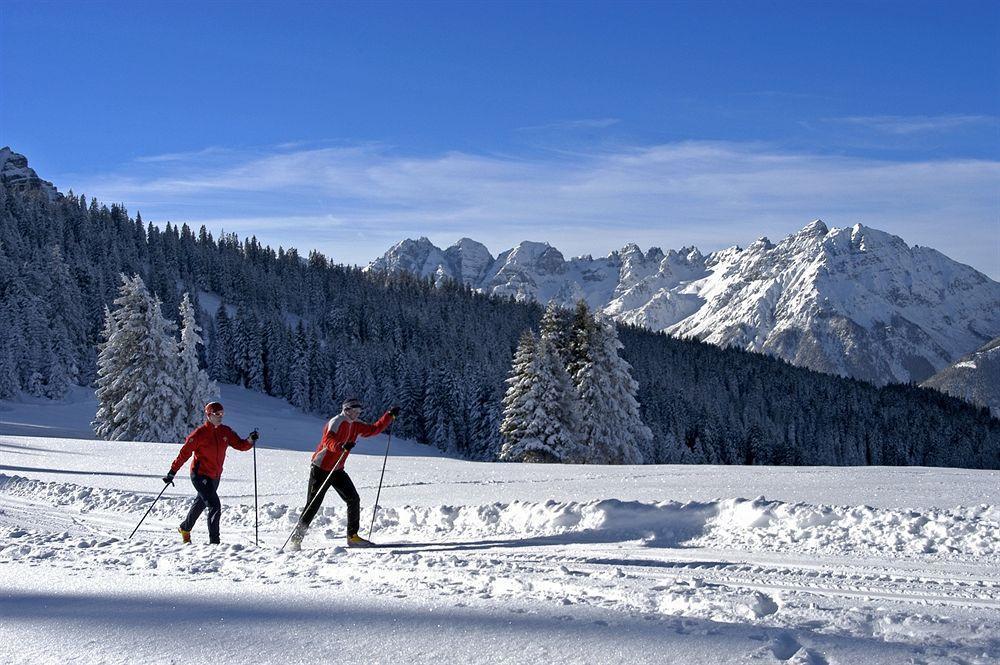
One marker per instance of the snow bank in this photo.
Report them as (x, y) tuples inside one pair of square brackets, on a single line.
[(964, 532)]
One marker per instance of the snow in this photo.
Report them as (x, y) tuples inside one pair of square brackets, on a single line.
[(484, 562), (853, 301)]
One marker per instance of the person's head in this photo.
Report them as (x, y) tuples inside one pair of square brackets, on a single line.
[(352, 408), (214, 412)]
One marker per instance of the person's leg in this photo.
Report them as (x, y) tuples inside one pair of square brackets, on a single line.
[(209, 492), (345, 488), (315, 494), (196, 508)]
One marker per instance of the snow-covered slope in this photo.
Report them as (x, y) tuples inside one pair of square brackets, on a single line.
[(974, 378), (855, 301), (16, 175), (491, 563)]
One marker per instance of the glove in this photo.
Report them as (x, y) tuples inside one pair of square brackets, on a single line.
[(394, 412), (169, 478), (254, 435), (349, 445)]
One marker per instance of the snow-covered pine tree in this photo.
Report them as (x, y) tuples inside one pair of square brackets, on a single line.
[(612, 427), (249, 359), (579, 338), (193, 384), (9, 383), (540, 414), (221, 365), (439, 411), (137, 391), (299, 375), (556, 325), (517, 402)]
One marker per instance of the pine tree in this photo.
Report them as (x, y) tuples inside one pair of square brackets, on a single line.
[(439, 411), (557, 326), (299, 377), (540, 420), (579, 338), (613, 429), (137, 392), (9, 383), (220, 364), (194, 386)]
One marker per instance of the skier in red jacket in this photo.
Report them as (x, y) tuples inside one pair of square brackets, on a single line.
[(327, 470), (208, 443)]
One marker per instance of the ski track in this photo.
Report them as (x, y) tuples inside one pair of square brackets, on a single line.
[(928, 581)]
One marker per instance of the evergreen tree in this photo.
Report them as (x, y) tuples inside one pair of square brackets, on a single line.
[(540, 418), (613, 429), (299, 377), (137, 393), (579, 338), (221, 365), (194, 386), (557, 327), (9, 383)]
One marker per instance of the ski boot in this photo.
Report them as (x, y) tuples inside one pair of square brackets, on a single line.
[(357, 541), (295, 543), (185, 535)]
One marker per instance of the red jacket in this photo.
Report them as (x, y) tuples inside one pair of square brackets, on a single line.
[(339, 431), (209, 443)]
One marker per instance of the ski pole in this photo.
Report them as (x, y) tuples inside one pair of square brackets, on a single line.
[(256, 528), (165, 485), (379, 493), (315, 496)]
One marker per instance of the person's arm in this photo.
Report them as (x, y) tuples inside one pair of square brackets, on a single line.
[(241, 444), (364, 429), (186, 451)]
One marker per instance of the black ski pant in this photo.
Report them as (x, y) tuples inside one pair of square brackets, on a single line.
[(208, 495), (340, 481)]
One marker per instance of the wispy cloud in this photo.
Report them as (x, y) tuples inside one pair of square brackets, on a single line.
[(584, 123), (914, 124), (353, 202), (182, 156)]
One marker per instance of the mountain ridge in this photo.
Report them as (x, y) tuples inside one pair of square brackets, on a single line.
[(856, 301)]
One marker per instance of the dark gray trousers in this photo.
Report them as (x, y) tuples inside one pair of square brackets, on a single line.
[(340, 481), (208, 495)]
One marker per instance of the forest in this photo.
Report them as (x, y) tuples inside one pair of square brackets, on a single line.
[(314, 333)]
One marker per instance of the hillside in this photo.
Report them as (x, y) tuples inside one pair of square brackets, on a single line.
[(975, 378), (314, 333)]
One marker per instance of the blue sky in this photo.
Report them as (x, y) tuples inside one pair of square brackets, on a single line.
[(347, 127)]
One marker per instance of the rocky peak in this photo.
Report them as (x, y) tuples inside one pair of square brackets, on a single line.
[(420, 257), (16, 175), (469, 259), (813, 229)]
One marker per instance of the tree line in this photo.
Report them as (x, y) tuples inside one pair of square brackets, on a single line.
[(312, 332)]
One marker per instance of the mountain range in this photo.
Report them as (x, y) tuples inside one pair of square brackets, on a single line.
[(857, 302)]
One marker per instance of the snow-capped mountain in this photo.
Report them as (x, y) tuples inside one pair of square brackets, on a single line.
[(974, 378), (854, 301), (15, 174)]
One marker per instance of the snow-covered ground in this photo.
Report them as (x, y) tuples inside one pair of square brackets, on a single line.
[(484, 563)]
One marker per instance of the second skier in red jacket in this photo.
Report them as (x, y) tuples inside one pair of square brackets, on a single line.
[(327, 470)]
